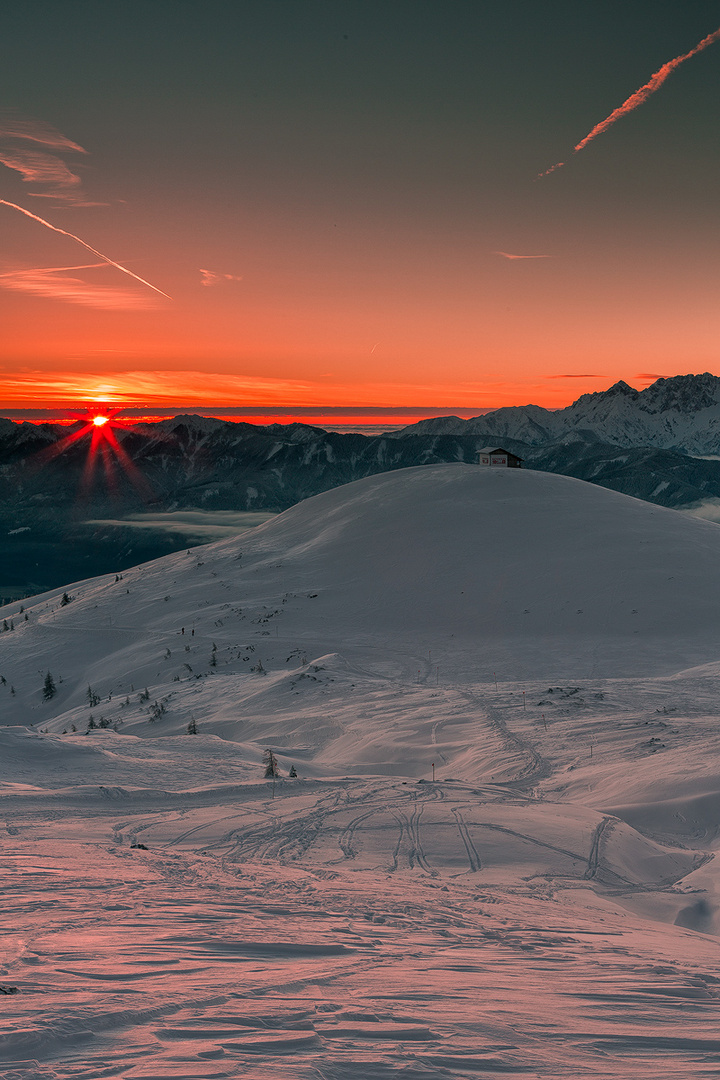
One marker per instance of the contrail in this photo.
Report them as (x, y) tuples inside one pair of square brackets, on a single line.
[(639, 97), (508, 255), (63, 232)]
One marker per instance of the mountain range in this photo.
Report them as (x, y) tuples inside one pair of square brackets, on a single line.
[(660, 444), (680, 414)]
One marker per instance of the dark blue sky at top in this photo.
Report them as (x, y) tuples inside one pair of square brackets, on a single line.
[(171, 69)]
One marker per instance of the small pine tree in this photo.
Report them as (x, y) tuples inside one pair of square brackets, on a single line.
[(5, 625), (192, 727), (271, 764), (93, 698), (156, 710), (91, 723), (293, 772), (65, 599), (49, 687)]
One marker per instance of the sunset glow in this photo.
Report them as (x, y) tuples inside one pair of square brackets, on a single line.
[(343, 212)]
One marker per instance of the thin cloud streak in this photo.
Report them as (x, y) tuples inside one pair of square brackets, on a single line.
[(14, 127), (200, 387), (38, 166), (105, 258), (508, 255), (639, 97), (211, 277), (176, 386), (55, 283)]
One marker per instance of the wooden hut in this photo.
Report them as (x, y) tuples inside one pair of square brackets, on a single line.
[(498, 456)]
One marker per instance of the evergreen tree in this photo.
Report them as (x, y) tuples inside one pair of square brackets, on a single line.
[(49, 687), (271, 764), (65, 599), (192, 727), (293, 772)]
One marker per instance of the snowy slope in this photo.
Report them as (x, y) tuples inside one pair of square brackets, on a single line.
[(499, 691)]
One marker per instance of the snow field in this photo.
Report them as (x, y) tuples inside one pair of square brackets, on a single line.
[(547, 905)]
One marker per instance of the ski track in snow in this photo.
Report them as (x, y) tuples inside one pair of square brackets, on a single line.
[(545, 907)]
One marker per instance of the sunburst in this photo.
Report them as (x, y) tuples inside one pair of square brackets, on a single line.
[(98, 426)]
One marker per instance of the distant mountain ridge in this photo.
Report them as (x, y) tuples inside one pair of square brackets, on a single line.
[(680, 413), (637, 442)]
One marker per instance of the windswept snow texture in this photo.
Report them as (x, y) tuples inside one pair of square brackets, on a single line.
[(499, 691)]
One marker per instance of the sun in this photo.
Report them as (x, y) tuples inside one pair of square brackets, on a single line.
[(104, 449)]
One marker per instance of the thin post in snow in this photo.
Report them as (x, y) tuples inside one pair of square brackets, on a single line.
[(433, 769), (523, 699)]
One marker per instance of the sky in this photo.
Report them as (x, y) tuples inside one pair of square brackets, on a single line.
[(314, 204)]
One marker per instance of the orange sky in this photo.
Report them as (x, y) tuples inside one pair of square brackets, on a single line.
[(345, 211)]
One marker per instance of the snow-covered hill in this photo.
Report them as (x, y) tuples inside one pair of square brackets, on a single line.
[(53, 488), (523, 573), (498, 689)]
